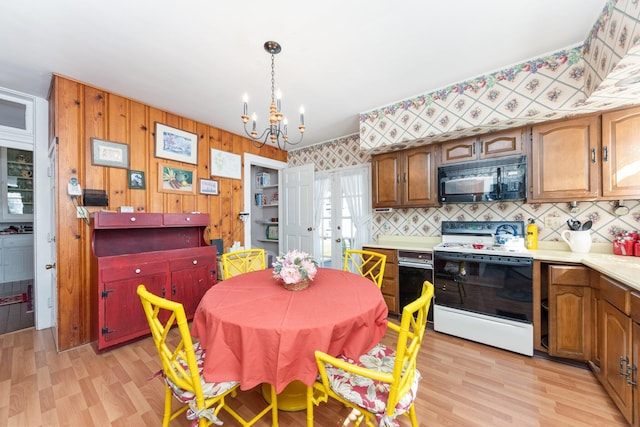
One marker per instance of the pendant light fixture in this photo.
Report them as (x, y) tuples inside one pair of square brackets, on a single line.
[(276, 131)]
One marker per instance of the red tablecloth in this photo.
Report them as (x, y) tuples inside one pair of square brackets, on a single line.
[(255, 331)]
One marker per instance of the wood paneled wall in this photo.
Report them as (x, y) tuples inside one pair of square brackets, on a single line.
[(80, 112)]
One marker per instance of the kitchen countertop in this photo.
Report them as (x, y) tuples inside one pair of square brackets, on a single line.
[(625, 269)]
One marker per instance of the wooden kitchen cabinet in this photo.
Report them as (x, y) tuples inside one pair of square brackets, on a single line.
[(565, 161), (569, 312), (390, 286), (617, 364), (621, 154), (498, 144), (164, 252), (404, 178)]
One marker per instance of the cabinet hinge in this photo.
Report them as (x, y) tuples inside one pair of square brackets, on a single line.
[(106, 331), (105, 293)]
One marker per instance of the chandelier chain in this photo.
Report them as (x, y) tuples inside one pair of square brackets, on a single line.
[(273, 78)]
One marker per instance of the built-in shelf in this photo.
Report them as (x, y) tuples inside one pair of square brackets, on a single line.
[(262, 187), (270, 205), (264, 222), (268, 240)]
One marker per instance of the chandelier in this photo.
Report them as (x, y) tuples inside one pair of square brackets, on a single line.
[(276, 131)]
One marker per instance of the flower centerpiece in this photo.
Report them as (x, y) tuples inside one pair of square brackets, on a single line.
[(296, 269)]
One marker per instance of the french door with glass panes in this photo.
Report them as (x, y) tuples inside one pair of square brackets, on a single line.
[(343, 213)]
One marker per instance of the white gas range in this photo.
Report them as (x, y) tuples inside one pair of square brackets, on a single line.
[(483, 284)]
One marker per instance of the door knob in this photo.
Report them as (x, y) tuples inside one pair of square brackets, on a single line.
[(338, 240), (310, 229), (50, 266)]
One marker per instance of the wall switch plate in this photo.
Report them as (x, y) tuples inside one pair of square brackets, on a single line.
[(81, 212), (553, 222)]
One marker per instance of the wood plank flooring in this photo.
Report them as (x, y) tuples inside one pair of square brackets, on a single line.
[(464, 384)]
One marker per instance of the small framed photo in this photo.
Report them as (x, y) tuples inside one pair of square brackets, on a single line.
[(208, 186), (172, 179), (136, 180), (272, 232), (107, 153), (176, 144)]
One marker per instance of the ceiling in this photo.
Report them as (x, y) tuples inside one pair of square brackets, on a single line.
[(197, 58)]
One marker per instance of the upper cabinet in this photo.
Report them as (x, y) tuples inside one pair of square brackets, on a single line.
[(404, 178), (16, 176), (498, 144), (621, 154), (565, 160), (587, 158)]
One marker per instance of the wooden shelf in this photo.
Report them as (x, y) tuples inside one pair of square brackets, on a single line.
[(268, 240)]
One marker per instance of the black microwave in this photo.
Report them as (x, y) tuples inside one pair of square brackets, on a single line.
[(483, 181)]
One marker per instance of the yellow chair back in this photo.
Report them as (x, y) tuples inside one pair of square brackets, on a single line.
[(365, 263), (181, 370), (399, 381), (243, 261)]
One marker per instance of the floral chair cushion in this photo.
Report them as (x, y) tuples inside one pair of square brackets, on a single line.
[(208, 389), (371, 395)]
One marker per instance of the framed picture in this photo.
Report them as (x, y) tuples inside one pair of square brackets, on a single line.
[(228, 165), (136, 180), (208, 186), (272, 232), (176, 144), (172, 179), (107, 153)]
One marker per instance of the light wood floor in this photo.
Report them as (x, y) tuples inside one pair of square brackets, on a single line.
[(465, 384)]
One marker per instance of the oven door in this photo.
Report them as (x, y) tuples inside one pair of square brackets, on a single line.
[(493, 285)]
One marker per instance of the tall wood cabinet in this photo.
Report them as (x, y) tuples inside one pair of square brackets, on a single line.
[(164, 252), (404, 178), (498, 144)]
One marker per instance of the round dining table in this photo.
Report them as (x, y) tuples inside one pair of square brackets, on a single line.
[(257, 332)]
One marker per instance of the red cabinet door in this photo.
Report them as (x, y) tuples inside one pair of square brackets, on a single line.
[(191, 277), (122, 314)]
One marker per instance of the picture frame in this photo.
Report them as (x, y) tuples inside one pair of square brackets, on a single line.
[(272, 232), (176, 179), (176, 144), (136, 180), (209, 186), (110, 154), (225, 164)]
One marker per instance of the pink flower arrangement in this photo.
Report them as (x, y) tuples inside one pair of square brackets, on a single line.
[(295, 266)]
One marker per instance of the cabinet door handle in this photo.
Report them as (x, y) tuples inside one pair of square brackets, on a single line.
[(187, 219), (398, 178), (195, 262), (405, 177), (173, 290), (137, 271), (473, 148), (593, 155), (623, 363), (132, 219), (605, 155)]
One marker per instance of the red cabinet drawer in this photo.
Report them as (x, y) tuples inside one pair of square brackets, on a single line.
[(126, 220), (188, 220), (192, 261), (132, 270)]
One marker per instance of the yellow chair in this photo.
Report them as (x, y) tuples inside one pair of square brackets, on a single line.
[(383, 383), (182, 364), (243, 261), (365, 263)]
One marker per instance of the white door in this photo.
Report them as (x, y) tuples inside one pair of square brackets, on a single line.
[(297, 225), (344, 203)]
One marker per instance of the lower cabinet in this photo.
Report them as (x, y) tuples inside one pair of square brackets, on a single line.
[(618, 364), (569, 312), (564, 320), (164, 252), (182, 275), (390, 288)]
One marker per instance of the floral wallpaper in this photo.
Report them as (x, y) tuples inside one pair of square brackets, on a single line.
[(580, 79), (426, 221), (572, 81)]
